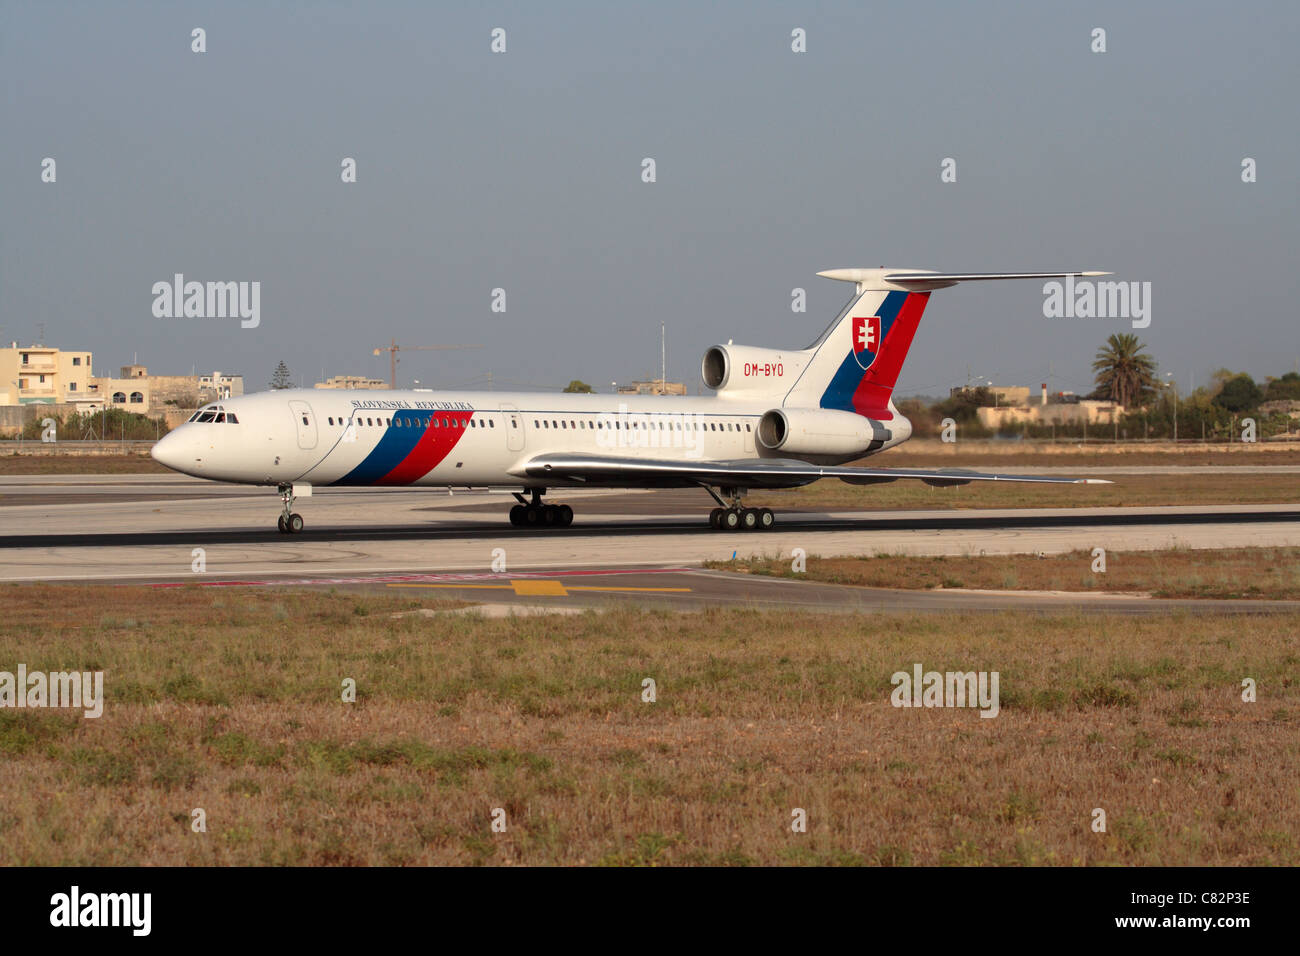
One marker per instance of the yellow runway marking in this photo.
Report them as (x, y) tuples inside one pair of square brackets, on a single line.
[(540, 588), (544, 588)]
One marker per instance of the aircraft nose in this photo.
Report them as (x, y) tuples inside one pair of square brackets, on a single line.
[(171, 451)]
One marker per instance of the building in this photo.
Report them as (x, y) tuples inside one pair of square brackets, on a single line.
[(131, 389), (1002, 394), (191, 391), (43, 375), (138, 391), (653, 387), (1083, 412), (351, 381)]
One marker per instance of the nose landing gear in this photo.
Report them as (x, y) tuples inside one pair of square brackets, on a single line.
[(289, 522)]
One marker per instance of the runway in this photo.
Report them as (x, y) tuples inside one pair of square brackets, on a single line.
[(160, 528)]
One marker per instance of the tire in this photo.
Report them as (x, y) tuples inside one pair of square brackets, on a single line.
[(295, 523), (766, 519), (564, 516), (279, 523), (532, 516), (749, 519), (517, 515), (549, 516), (730, 520), (715, 519)]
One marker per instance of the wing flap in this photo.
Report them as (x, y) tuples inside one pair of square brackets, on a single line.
[(749, 473)]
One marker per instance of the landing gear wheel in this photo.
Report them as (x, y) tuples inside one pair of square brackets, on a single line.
[(766, 519), (730, 520), (749, 519), (715, 519), (549, 515), (517, 515), (532, 516), (279, 523), (563, 516), (295, 523)]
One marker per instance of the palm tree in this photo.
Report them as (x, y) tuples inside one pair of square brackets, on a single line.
[(1125, 372), (280, 377)]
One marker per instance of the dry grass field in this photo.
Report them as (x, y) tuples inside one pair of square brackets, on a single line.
[(19, 464), (1269, 573), (229, 700)]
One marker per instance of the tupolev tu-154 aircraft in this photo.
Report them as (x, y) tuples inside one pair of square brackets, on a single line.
[(778, 419)]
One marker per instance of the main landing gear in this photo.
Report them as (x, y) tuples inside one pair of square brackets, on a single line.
[(534, 514), (732, 517), (289, 522)]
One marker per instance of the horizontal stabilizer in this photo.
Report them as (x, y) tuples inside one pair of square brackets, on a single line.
[(923, 280)]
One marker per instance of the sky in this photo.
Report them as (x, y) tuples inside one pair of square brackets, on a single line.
[(523, 171)]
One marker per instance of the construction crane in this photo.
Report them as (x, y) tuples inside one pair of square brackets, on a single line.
[(392, 348)]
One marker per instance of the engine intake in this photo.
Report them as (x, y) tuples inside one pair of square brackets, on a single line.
[(820, 432), (742, 370)]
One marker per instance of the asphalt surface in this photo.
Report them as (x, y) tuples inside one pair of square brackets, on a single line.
[(688, 589), (624, 546)]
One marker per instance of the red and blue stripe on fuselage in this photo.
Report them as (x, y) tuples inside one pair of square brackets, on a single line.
[(412, 446)]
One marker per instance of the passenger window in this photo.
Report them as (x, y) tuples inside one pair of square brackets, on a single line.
[(746, 426)]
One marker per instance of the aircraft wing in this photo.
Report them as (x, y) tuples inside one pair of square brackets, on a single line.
[(746, 473)]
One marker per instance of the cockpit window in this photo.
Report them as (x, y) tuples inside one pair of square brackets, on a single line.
[(214, 414)]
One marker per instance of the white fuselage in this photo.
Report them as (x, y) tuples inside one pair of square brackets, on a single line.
[(454, 439)]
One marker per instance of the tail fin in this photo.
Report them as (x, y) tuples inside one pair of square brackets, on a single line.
[(857, 360)]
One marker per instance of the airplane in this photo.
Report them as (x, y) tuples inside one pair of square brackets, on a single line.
[(777, 419)]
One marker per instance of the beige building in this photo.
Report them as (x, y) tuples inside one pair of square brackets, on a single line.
[(138, 391), (1071, 413), (653, 387), (351, 381), (1002, 394), (43, 375)]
